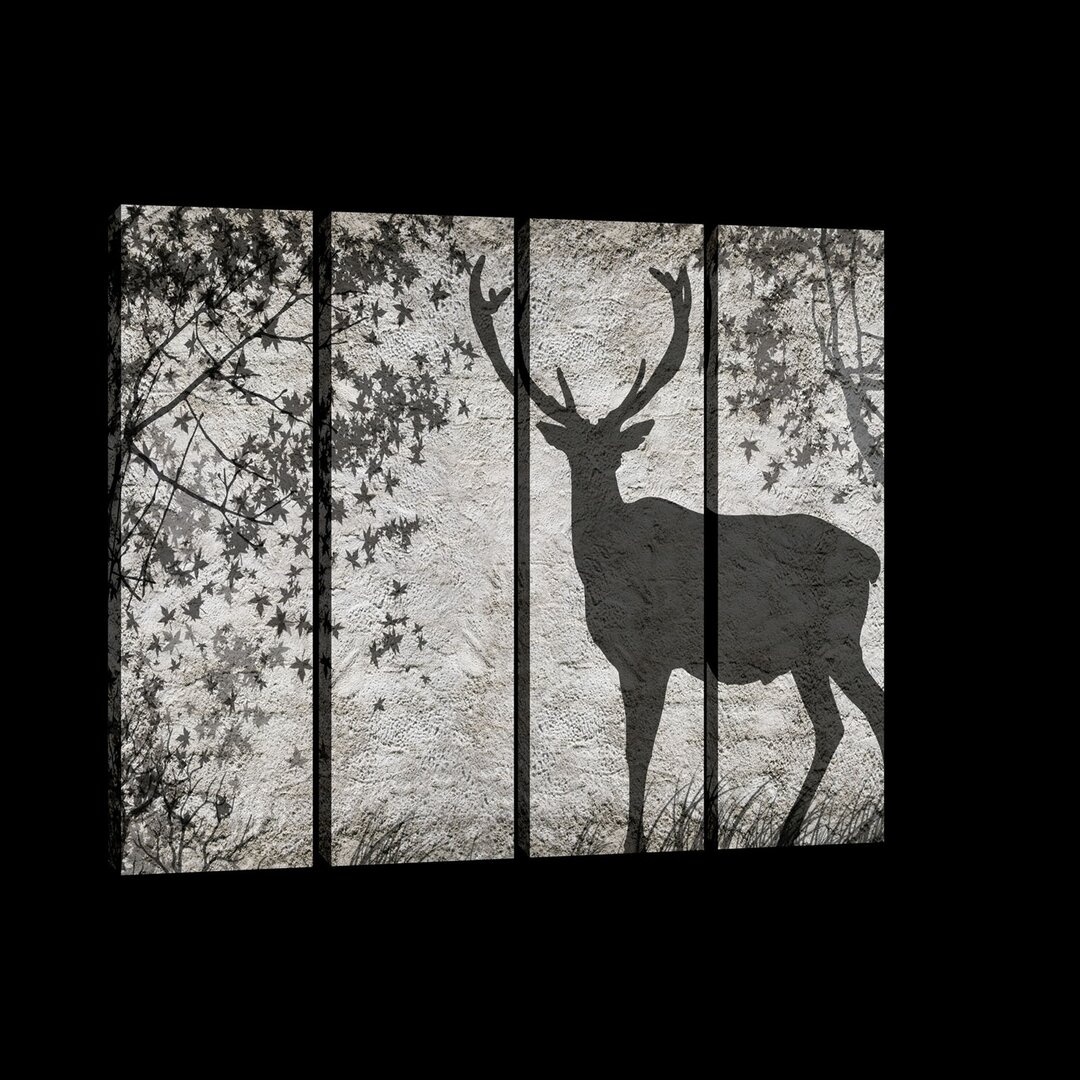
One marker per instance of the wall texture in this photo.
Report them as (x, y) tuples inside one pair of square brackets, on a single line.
[(214, 574), (422, 545), (801, 388), (596, 312)]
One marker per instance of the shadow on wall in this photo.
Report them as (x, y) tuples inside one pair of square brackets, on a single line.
[(792, 589), (743, 822)]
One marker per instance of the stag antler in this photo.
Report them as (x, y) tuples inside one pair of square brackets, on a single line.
[(482, 311), (634, 402)]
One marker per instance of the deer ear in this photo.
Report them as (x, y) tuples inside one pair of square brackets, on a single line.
[(634, 435), (554, 433)]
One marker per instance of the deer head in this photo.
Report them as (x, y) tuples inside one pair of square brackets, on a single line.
[(601, 443)]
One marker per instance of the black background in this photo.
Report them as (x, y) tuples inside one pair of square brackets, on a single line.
[(539, 914)]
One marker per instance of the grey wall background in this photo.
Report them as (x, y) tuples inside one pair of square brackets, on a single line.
[(596, 312), (423, 739), (776, 393), (216, 703)]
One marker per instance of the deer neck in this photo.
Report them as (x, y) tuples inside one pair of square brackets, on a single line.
[(594, 499)]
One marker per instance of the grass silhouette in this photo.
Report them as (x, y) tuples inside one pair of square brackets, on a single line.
[(679, 825), (742, 822)]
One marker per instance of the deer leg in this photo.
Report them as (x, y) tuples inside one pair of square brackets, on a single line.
[(643, 700), (817, 696), (865, 694)]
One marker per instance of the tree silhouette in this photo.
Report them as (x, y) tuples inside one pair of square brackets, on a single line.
[(387, 412), (801, 333), (210, 559)]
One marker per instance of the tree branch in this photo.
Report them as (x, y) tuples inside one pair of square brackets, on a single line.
[(224, 456), (830, 347), (210, 372), (194, 494)]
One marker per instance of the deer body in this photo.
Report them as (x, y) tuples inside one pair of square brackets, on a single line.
[(792, 590), (651, 543)]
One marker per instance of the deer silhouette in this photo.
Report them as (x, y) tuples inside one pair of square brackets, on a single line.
[(792, 590)]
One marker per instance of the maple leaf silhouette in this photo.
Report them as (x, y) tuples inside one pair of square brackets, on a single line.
[(749, 446), (438, 293), (363, 496), (762, 410)]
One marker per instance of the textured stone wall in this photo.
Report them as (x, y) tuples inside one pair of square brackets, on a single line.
[(596, 312), (215, 577), (215, 568), (801, 378), (423, 545)]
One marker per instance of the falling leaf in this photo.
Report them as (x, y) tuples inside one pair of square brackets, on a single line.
[(279, 622), (750, 446), (438, 293)]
